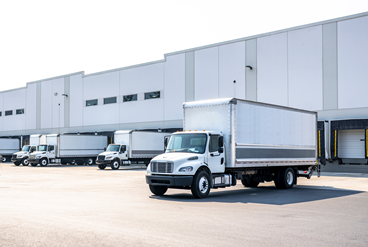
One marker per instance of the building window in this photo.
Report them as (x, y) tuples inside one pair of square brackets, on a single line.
[(20, 111), (91, 102), (127, 98), (152, 95), (8, 113), (111, 100)]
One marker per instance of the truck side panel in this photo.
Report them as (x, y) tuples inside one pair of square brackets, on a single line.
[(267, 135), (9, 146), (147, 144), (81, 146)]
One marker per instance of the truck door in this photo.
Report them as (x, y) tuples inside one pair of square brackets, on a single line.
[(123, 153), (51, 153), (216, 159)]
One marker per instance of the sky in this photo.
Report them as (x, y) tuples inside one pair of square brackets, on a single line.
[(42, 39)]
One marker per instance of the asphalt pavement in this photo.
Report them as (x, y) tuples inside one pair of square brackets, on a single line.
[(85, 206)]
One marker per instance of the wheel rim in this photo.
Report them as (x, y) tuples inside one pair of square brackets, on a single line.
[(90, 162), (289, 178), (4, 159), (44, 162), (203, 184), (25, 162), (115, 164)]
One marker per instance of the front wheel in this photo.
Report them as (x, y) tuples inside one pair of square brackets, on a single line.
[(101, 167), (158, 190), (34, 164), (44, 162), (16, 163), (201, 185), (115, 164), (25, 162)]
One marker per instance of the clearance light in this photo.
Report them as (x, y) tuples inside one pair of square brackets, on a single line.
[(188, 130), (183, 130)]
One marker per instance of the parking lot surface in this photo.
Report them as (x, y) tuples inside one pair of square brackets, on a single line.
[(85, 206)]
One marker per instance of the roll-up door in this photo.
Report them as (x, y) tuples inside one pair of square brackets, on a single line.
[(351, 143)]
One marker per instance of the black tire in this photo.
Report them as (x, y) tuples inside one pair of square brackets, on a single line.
[(158, 190), (25, 162), (102, 167), (34, 164), (115, 164), (43, 162), (90, 162), (201, 185), (4, 159), (16, 163), (80, 162), (248, 182), (284, 178)]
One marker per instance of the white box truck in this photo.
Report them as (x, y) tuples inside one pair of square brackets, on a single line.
[(8, 146), (66, 148), (22, 156), (226, 140), (132, 146)]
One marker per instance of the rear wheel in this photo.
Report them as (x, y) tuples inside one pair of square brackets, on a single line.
[(102, 167), (201, 185), (248, 182), (25, 162), (16, 163), (4, 159), (158, 190), (284, 178), (34, 164), (115, 164), (43, 162), (90, 161)]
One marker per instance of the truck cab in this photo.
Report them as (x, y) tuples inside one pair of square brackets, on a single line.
[(187, 154), (114, 155), (43, 155), (22, 156)]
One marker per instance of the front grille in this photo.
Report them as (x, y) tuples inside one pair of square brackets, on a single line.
[(162, 167), (101, 157), (14, 156), (32, 156)]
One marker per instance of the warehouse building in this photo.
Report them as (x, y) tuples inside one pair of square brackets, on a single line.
[(321, 67)]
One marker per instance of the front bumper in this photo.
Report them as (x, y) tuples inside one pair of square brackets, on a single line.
[(103, 162), (34, 161), (169, 181), (16, 160)]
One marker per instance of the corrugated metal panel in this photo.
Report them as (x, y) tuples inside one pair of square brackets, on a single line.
[(351, 144)]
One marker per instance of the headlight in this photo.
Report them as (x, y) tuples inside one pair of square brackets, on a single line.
[(186, 169), (20, 156), (108, 157), (38, 156)]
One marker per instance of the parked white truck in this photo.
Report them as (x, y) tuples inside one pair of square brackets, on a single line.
[(8, 146), (226, 140), (132, 146), (22, 156), (66, 148)]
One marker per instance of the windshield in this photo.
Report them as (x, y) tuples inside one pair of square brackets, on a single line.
[(26, 148), (42, 148), (113, 148), (187, 143)]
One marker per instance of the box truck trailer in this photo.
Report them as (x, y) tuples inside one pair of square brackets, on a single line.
[(226, 140), (64, 148), (8, 146), (132, 146), (22, 156)]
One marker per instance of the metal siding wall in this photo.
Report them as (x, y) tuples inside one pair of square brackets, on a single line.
[(272, 81), (2, 111), (13, 100), (206, 73), (174, 87), (189, 76), (46, 104), (31, 106), (329, 49), (305, 68), (58, 103), (232, 68), (251, 75), (76, 98), (352, 63)]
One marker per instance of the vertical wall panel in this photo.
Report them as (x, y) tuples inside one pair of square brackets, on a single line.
[(206, 74), (189, 76), (305, 68), (2, 111), (76, 98), (58, 103), (232, 68), (251, 74), (31, 107), (352, 63), (47, 95), (272, 82), (13, 100), (174, 87)]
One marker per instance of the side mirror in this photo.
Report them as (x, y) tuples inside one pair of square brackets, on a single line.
[(221, 150), (104, 149), (221, 141)]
